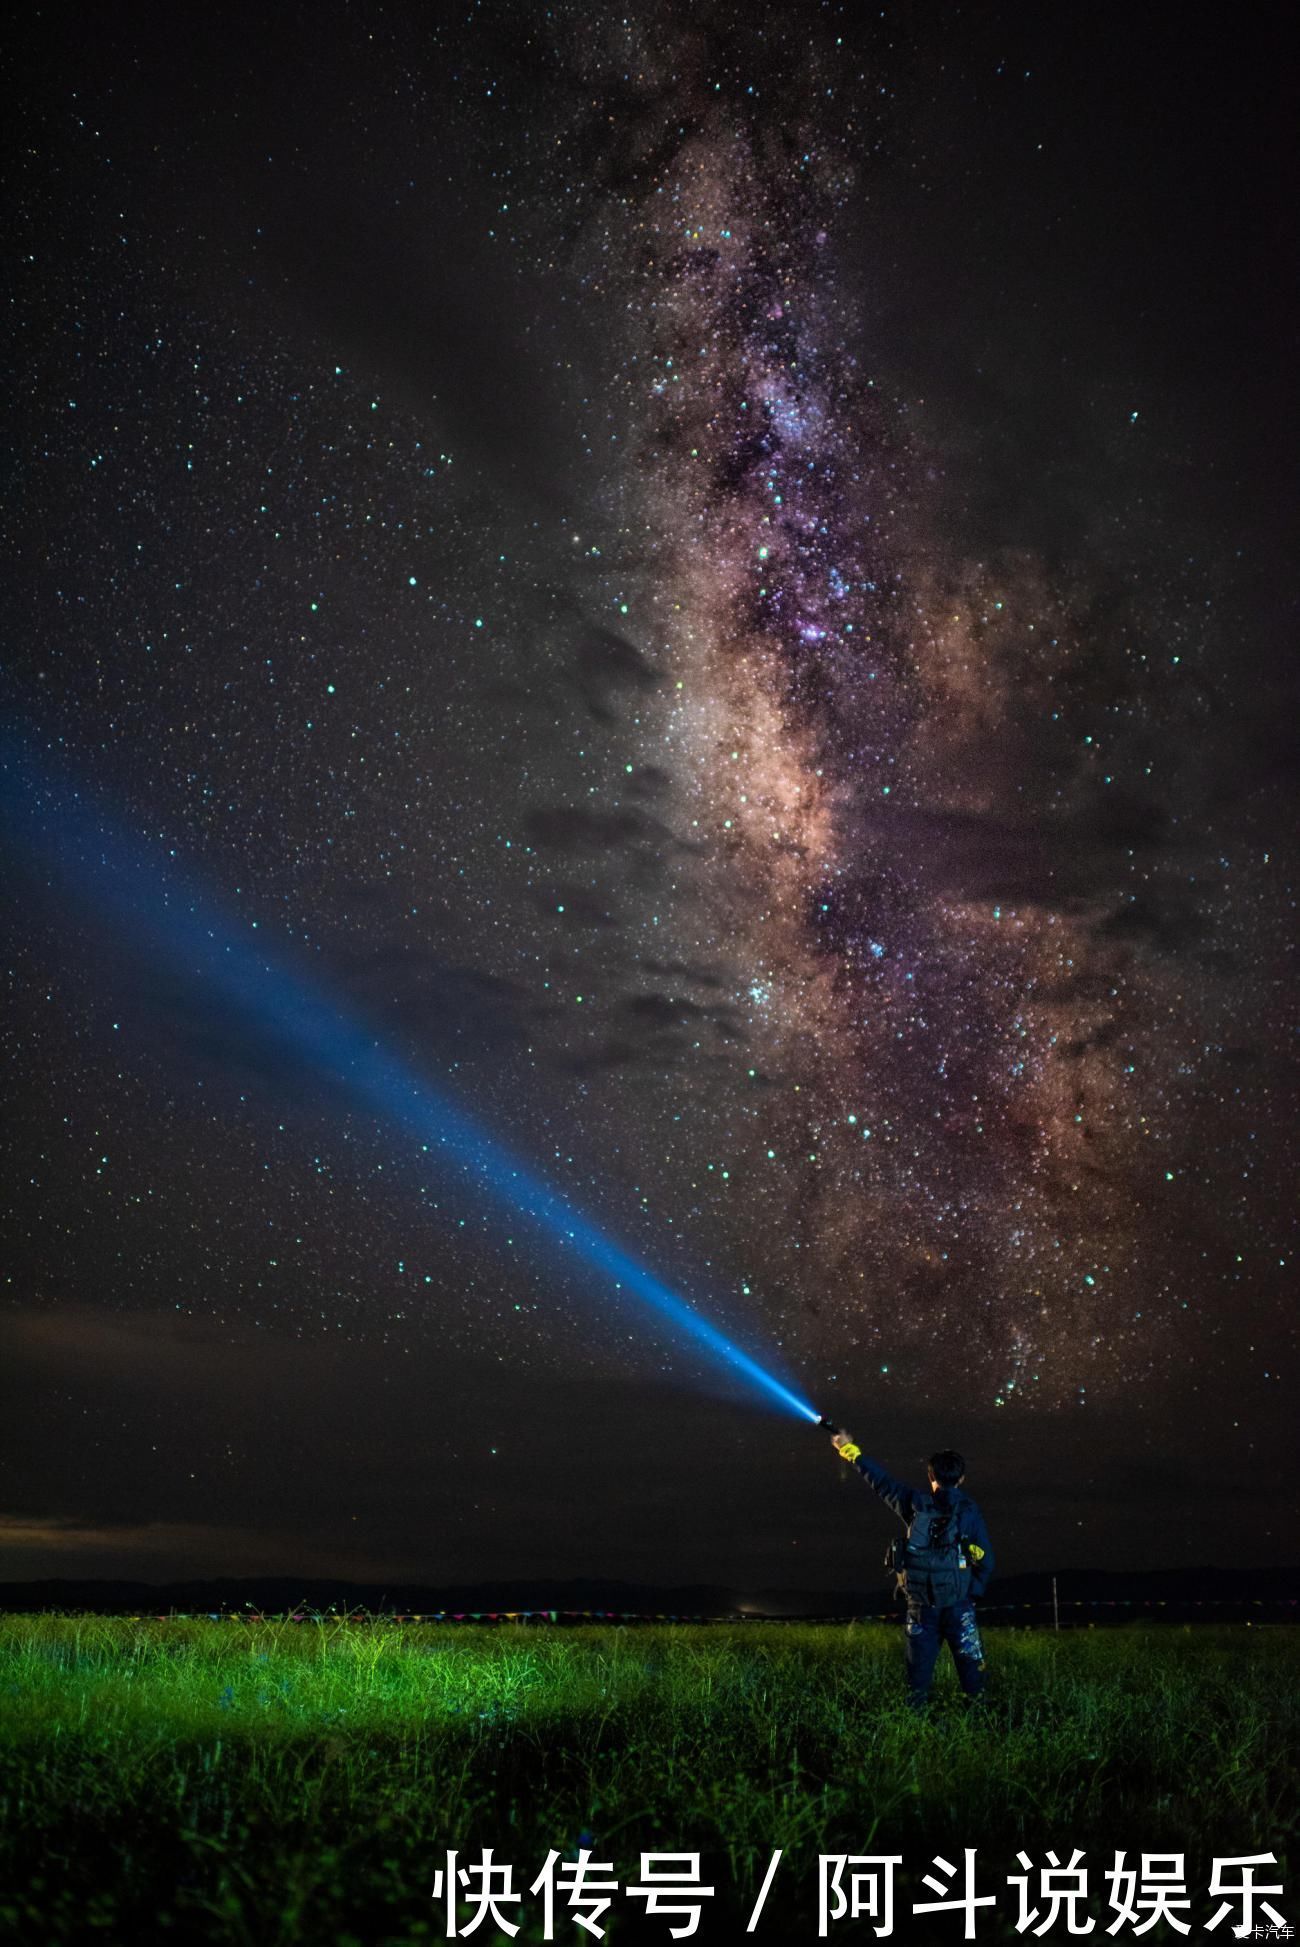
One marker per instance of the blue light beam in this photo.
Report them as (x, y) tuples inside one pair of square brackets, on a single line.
[(121, 881)]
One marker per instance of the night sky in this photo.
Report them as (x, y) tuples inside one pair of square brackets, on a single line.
[(720, 579)]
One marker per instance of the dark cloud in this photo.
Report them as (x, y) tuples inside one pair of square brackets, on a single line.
[(607, 669), (661, 1010), (649, 781), (1047, 861), (672, 1011), (1085, 865), (570, 829), (443, 1008), (656, 1031), (1167, 925), (618, 1051), (585, 907), (571, 656)]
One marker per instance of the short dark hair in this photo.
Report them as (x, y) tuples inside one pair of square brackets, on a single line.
[(947, 1467)]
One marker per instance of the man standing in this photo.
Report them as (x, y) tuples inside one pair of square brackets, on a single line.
[(944, 1566)]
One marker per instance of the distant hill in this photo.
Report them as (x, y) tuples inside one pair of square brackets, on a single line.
[(1175, 1594)]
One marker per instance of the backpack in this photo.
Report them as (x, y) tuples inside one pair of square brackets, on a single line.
[(931, 1563)]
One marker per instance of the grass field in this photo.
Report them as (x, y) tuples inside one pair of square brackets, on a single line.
[(272, 1783)]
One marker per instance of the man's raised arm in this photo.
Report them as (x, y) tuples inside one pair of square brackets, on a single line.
[(895, 1494)]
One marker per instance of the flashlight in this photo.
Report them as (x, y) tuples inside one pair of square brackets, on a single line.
[(829, 1425)]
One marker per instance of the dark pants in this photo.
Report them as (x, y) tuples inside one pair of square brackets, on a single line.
[(927, 1629)]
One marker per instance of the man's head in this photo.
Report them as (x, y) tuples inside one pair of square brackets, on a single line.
[(946, 1468)]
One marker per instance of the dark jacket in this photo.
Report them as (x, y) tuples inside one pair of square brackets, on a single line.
[(970, 1522)]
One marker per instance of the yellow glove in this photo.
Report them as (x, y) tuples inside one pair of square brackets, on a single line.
[(975, 1552), (848, 1451)]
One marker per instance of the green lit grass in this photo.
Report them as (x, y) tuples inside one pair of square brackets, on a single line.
[(275, 1783)]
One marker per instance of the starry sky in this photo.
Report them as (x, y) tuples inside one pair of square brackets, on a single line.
[(720, 579)]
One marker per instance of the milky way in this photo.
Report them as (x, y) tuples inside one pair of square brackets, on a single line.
[(916, 802)]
